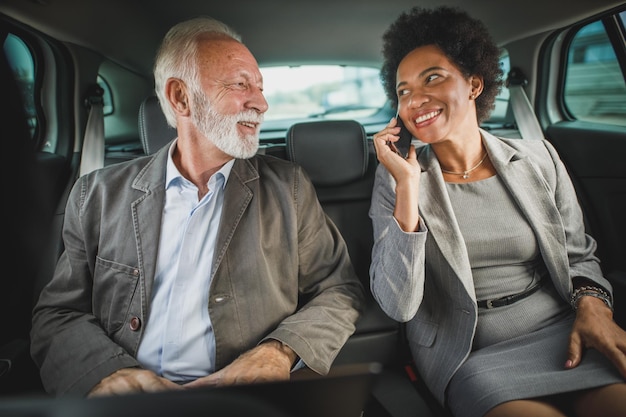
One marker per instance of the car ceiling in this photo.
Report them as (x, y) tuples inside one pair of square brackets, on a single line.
[(276, 31)]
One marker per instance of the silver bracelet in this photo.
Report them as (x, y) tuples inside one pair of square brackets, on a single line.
[(591, 291)]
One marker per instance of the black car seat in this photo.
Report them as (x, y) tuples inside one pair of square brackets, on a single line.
[(153, 128), (336, 156), (341, 162)]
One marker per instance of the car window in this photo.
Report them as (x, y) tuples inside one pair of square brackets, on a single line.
[(595, 89), (499, 113), (322, 92), (23, 66)]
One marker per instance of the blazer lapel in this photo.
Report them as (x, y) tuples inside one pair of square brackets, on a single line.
[(437, 213), (236, 199), (530, 191), (527, 187), (147, 211)]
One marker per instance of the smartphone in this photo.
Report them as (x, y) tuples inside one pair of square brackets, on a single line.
[(401, 146)]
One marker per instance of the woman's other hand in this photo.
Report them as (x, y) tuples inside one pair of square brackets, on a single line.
[(594, 328)]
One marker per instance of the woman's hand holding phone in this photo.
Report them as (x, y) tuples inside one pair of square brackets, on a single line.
[(397, 139), (394, 137), (401, 146), (405, 170)]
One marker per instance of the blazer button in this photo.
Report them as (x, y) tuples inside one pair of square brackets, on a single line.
[(135, 324)]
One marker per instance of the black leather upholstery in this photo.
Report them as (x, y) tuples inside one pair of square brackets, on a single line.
[(153, 128), (341, 163), (332, 152), (335, 155)]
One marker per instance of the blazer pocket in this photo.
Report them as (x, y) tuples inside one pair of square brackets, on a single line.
[(422, 332), (113, 289)]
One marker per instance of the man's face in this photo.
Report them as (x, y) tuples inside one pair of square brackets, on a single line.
[(223, 131), (228, 109)]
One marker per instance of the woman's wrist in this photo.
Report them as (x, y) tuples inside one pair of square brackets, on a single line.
[(590, 291)]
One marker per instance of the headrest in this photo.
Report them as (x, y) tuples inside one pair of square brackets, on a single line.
[(332, 152), (153, 128)]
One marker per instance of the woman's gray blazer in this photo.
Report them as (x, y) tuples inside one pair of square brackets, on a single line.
[(425, 279), (281, 270)]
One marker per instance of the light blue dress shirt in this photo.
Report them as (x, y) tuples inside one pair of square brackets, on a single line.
[(178, 342)]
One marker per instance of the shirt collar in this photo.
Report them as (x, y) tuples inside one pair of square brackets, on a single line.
[(172, 173)]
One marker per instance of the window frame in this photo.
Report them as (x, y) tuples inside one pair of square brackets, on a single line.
[(551, 63), (611, 29), (52, 89)]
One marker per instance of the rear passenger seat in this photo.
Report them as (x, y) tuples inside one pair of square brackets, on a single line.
[(338, 159), (341, 162)]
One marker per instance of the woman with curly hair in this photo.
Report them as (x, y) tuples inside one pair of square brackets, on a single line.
[(480, 244)]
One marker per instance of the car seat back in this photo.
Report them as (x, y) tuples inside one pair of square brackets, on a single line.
[(153, 128), (340, 160)]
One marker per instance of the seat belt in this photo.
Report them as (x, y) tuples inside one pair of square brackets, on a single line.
[(92, 155), (525, 117)]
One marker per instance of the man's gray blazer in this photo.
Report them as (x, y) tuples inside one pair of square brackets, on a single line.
[(281, 270)]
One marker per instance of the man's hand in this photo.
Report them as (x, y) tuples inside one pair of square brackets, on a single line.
[(132, 380), (270, 361)]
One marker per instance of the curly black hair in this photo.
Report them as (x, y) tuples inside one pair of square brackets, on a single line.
[(463, 39)]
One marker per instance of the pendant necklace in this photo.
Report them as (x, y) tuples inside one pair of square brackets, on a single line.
[(465, 174)]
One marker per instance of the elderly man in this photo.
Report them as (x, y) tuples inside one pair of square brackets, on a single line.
[(205, 264)]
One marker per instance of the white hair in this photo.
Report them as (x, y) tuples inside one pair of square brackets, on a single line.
[(177, 56)]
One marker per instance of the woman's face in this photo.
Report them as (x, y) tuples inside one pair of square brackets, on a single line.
[(434, 98)]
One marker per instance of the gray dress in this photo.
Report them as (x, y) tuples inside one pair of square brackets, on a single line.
[(519, 350)]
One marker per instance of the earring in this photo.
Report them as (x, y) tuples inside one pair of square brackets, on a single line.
[(472, 96)]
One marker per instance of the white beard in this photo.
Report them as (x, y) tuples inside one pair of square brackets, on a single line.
[(222, 129)]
